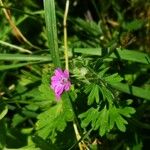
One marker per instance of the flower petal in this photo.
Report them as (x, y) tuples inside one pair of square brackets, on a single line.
[(59, 89), (67, 86), (55, 78), (60, 82), (58, 72), (54, 84), (66, 74)]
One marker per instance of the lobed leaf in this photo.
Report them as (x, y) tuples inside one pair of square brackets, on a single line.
[(94, 94), (54, 119)]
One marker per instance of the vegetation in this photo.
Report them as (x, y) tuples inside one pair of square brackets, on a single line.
[(105, 46)]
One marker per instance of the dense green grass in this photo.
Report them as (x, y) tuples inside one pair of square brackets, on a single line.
[(109, 65)]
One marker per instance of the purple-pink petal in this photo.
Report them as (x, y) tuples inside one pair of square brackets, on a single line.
[(58, 72), (67, 86), (59, 89), (60, 82), (66, 74), (54, 78)]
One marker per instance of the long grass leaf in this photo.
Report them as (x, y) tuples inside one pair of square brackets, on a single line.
[(130, 55), (50, 18), (133, 90), (14, 66), (23, 57)]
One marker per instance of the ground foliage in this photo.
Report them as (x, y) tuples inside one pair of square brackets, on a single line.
[(109, 60)]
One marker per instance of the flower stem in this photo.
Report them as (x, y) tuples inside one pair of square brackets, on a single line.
[(78, 137), (65, 35)]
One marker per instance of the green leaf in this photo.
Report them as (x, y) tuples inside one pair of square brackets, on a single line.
[(2, 134), (113, 78), (120, 122), (102, 121), (54, 119), (133, 90), (89, 51), (102, 72), (3, 110), (17, 119), (94, 93), (46, 93), (107, 94), (127, 111), (90, 27), (89, 116), (116, 117), (47, 121), (131, 55), (23, 57), (123, 54), (133, 25), (14, 66), (50, 18), (105, 119)]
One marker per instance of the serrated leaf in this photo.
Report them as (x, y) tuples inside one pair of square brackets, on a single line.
[(94, 90), (97, 119), (102, 122), (54, 119), (87, 117), (94, 94), (107, 94), (116, 117), (46, 93), (127, 111), (120, 122), (49, 120), (112, 117)]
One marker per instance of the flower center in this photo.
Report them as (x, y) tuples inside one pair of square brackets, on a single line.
[(63, 80)]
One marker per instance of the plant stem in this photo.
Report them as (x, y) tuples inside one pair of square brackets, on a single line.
[(78, 137), (65, 35)]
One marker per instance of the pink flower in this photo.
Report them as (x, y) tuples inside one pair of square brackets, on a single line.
[(60, 82)]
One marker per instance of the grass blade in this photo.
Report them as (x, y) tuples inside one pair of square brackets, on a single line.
[(23, 57), (14, 66), (124, 54), (20, 49), (133, 90), (50, 18)]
